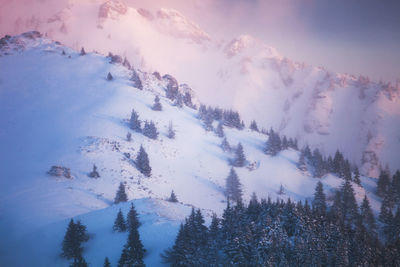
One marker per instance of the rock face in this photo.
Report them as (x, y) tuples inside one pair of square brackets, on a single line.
[(112, 10), (60, 171)]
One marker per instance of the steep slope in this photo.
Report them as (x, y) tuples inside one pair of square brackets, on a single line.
[(327, 110), (61, 110)]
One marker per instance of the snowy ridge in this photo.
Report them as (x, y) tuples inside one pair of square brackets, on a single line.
[(298, 100), (75, 118)]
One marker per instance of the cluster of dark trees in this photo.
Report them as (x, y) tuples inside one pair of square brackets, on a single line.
[(283, 233), (227, 118), (72, 248), (276, 144), (321, 165), (132, 253), (149, 128)]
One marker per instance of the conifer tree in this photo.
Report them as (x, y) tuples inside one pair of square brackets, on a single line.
[(150, 130), (220, 130), (157, 105), (120, 195), (119, 223), (386, 214), (74, 237), (173, 197), (133, 251), (134, 122), (83, 52), (136, 80), (319, 202), (356, 177), (240, 158), (171, 131), (187, 99), (109, 77), (253, 126), (79, 262), (94, 173), (142, 162), (132, 220), (106, 262), (367, 217), (225, 145), (233, 189), (383, 183), (349, 204), (129, 137)]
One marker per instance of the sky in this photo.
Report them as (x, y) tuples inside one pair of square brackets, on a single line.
[(355, 37)]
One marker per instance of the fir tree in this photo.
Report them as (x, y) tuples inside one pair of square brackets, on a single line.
[(136, 80), (119, 223), (349, 204), (356, 177), (134, 122), (179, 100), (142, 162), (187, 99), (274, 144), (120, 195), (319, 202), (94, 173), (150, 130), (396, 187), (128, 137), (240, 158), (302, 162), (173, 197), (106, 262), (225, 145), (71, 246), (109, 77), (132, 220), (79, 262), (157, 105), (171, 131), (383, 183), (233, 189), (386, 214), (253, 126), (133, 251), (83, 52), (220, 130), (367, 217)]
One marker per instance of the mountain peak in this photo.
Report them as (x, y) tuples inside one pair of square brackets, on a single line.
[(247, 42)]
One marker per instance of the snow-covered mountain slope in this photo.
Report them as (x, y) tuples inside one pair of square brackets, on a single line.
[(61, 110), (325, 109)]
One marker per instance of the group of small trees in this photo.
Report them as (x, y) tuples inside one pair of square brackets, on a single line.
[(276, 144), (228, 118), (322, 165), (149, 128)]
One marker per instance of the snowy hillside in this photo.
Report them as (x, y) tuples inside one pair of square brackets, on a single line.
[(298, 100), (59, 109)]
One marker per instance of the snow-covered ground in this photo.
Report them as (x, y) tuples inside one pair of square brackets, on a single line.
[(61, 110)]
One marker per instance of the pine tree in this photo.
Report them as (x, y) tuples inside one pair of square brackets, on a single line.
[(187, 99), (157, 105), (134, 122), (74, 237), (83, 52), (356, 177), (319, 202), (240, 158), (383, 183), (150, 130), (106, 262), (129, 137), (281, 190), (142, 162), (302, 162), (94, 173), (220, 130), (109, 77), (133, 251), (79, 262), (349, 204), (396, 187), (173, 197), (225, 145), (136, 80), (274, 144), (179, 100), (119, 223), (132, 220), (367, 217), (386, 214), (171, 131), (233, 189), (253, 126), (121, 195)]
